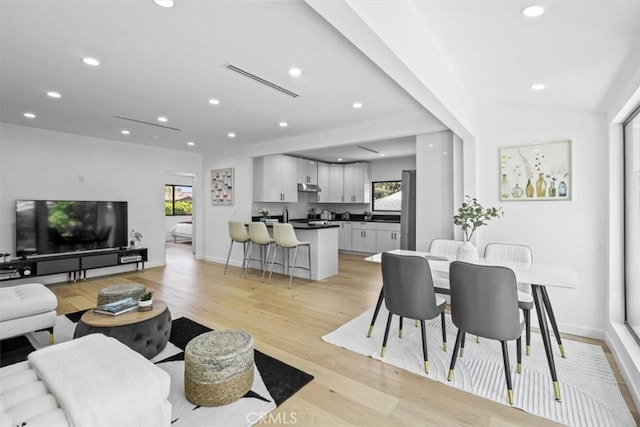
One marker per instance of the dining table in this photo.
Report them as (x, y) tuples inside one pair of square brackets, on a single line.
[(540, 276)]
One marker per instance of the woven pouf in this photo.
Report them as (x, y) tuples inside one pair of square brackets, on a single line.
[(118, 292), (218, 367)]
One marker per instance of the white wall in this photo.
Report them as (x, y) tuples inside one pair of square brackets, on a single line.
[(570, 233), (390, 169), (42, 164), (434, 189)]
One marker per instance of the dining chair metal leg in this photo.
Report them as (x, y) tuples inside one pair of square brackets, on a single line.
[(454, 356), (527, 323), (375, 313), (519, 355), (386, 335), (400, 322), (424, 346), (546, 340), (507, 371), (444, 331), (552, 318), (464, 337)]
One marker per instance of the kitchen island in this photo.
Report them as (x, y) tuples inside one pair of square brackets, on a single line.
[(323, 239)]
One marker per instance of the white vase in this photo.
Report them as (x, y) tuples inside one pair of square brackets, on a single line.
[(467, 252), (145, 305)]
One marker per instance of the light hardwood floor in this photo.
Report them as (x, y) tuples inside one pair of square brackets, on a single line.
[(348, 389)]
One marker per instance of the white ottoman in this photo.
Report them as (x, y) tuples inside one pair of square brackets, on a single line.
[(27, 308)]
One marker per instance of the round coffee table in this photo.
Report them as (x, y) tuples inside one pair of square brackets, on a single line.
[(146, 332)]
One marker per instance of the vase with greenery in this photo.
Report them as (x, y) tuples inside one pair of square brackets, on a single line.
[(471, 215)]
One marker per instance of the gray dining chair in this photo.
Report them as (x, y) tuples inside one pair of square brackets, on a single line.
[(484, 302), (516, 253), (408, 292)]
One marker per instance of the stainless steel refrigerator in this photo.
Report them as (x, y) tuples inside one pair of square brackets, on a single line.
[(408, 213)]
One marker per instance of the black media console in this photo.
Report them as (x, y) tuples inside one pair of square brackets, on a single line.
[(74, 264)]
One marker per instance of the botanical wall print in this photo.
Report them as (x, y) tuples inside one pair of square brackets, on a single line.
[(222, 186), (536, 172)]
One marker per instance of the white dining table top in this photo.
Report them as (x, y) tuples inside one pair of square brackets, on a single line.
[(537, 274)]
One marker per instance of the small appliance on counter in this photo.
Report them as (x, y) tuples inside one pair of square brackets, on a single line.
[(345, 216), (325, 215)]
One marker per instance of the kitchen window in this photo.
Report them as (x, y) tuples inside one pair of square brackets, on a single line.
[(386, 196), (178, 200)]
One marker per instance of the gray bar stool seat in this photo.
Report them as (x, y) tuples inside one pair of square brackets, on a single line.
[(285, 238)]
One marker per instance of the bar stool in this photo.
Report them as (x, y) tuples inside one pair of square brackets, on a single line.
[(285, 237), (238, 234), (260, 236)]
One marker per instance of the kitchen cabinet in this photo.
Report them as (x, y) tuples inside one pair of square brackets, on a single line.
[(387, 237), (275, 179), (357, 186), (336, 183), (307, 171), (323, 183), (363, 237), (344, 236)]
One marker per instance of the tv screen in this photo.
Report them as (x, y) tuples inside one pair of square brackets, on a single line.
[(57, 226)]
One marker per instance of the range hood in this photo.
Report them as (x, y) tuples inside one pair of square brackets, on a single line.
[(308, 188)]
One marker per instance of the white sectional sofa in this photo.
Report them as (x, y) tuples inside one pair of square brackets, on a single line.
[(90, 381)]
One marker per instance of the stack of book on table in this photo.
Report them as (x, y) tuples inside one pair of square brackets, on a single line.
[(117, 307)]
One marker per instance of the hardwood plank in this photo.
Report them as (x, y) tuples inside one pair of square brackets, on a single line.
[(349, 389)]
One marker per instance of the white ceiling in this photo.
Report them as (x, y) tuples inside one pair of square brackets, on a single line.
[(170, 62)]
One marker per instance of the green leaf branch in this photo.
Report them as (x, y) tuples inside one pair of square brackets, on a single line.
[(471, 215)]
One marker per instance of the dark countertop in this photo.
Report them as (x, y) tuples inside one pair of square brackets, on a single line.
[(302, 224)]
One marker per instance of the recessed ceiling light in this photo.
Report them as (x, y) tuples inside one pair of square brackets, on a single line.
[(431, 145), (339, 159), (533, 11), (283, 124), (125, 132), (538, 86), (91, 61), (191, 143), (357, 105), (381, 154), (163, 119), (164, 3), (295, 72), (231, 135), (29, 115), (154, 137), (214, 101), (445, 153), (53, 94)]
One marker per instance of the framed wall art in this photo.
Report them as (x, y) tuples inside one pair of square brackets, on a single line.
[(536, 172), (222, 186)]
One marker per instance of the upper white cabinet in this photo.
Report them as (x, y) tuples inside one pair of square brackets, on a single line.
[(275, 179), (307, 171), (323, 183), (357, 186), (336, 183)]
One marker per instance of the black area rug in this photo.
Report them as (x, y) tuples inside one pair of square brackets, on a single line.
[(279, 381)]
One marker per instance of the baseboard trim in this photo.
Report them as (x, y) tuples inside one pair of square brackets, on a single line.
[(626, 353)]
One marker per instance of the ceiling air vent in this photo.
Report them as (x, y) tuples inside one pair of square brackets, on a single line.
[(261, 80), (147, 123), (368, 149)]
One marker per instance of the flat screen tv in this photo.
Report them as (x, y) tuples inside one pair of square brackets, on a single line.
[(59, 226)]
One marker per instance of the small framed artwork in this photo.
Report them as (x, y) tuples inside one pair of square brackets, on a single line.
[(222, 186), (536, 172)]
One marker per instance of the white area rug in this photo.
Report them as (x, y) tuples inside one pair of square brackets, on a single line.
[(590, 394)]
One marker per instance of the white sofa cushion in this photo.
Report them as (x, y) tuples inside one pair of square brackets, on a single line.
[(26, 300)]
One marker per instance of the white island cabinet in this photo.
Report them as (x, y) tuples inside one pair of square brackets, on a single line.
[(324, 251)]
